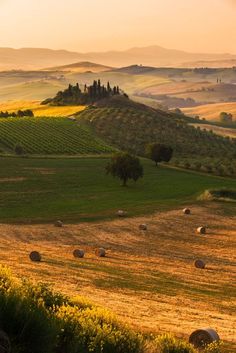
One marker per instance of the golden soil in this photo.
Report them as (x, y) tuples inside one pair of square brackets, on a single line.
[(147, 278)]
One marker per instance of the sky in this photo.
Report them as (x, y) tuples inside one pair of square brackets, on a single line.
[(102, 25)]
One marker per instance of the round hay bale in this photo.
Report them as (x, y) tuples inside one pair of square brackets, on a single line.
[(142, 227), (121, 213), (200, 264), (58, 224), (35, 256), (201, 230), (5, 345), (186, 211), (100, 252), (203, 337), (78, 253)]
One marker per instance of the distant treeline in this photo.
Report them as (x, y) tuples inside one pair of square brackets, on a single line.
[(18, 114), (83, 94)]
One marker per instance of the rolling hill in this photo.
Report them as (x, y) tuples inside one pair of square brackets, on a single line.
[(219, 130), (80, 67), (39, 58), (49, 136), (40, 110), (119, 123), (211, 112)]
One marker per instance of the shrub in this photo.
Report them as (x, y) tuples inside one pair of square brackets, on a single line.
[(218, 194), (19, 150), (214, 347), (169, 344), (95, 330), (29, 327), (37, 320)]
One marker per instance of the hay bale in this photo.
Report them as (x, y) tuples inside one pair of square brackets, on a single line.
[(186, 211), (121, 213), (201, 230), (200, 264), (203, 337), (58, 224), (142, 227), (5, 345), (35, 256), (101, 252), (78, 253)]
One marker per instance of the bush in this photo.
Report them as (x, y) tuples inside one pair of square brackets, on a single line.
[(214, 347), (169, 344), (38, 320), (95, 330), (29, 327), (218, 194), (19, 150)]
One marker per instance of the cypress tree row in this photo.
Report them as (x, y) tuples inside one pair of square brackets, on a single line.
[(86, 95)]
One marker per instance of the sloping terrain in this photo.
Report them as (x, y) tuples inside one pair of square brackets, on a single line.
[(132, 127), (49, 136), (219, 130), (36, 58), (40, 110), (78, 189), (148, 278), (81, 67), (212, 111)]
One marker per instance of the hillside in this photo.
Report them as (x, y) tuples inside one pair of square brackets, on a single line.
[(151, 271), (39, 58), (219, 130), (132, 127), (80, 67), (83, 94), (34, 58), (40, 110), (49, 136), (212, 112)]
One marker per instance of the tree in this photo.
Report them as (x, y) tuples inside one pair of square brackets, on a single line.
[(125, 166), (226, 117), (159, 153), (19, 150)]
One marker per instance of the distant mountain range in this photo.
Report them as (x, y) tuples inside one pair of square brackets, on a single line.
[(36, 58)]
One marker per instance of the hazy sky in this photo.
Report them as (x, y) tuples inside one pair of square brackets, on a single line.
[(92, 25)]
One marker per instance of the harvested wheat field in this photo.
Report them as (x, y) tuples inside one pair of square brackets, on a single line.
[(147, 278), (212, 112)]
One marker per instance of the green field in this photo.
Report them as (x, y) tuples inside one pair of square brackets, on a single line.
[(41, 190), (49, 136)]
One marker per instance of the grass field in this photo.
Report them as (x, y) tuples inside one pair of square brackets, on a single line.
[(40, 110), (212, 112), (41, 190), (148, 279)]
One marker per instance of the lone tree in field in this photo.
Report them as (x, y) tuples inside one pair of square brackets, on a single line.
[(125, 167), (159, 153)]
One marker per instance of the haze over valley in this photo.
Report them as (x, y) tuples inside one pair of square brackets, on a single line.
[(117, 176)]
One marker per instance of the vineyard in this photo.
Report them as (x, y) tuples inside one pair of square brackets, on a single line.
[(49, 136)]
